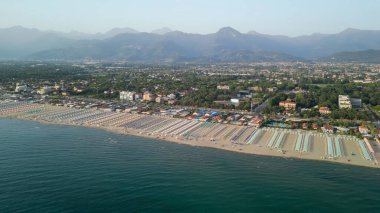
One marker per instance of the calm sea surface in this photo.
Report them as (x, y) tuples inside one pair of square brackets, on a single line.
[(54, 168)]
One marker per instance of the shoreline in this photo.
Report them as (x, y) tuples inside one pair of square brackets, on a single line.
[(166, 140), (261, 142)]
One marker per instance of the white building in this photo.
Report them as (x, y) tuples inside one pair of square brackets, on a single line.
[(44, 90), (127, 96), (223, 87), (235, 101), (21, 88), (344, 102), (171, 96)]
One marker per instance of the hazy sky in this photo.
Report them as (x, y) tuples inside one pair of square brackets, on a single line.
[(288, 17)]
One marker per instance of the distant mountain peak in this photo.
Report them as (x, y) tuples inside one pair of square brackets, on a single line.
[(350, 30), (162, 31), (253, 32), (228, 31), (116, 30), (19, 28)]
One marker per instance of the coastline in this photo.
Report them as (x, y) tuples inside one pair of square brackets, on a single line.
[(284, 147)]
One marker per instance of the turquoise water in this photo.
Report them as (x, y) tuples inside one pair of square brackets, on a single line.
[(53, 168)]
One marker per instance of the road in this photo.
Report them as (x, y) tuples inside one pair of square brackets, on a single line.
[(262, 106)]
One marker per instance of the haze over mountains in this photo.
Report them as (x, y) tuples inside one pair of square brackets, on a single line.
[(165, 45)]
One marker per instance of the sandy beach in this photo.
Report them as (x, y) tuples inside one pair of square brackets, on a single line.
[(301, 144)]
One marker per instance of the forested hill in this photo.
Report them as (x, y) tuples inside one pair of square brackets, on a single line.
[(367, 56)]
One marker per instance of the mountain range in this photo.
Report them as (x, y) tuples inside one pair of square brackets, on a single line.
[(165, 45)]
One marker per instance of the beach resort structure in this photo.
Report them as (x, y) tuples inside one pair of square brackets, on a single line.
[(289, 143)]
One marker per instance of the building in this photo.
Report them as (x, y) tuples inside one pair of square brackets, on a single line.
[(171, 96), (172, 101), (363, 129), (315, 126), (255, 89), (223, 87), (327, 128), (44, 90), (161, 99), (138, 96), (256, 122), (21, 87), (324, 110), (272, 89), (148, 96), (78, 89), (235, 101), (245, 94), (344, 102), (342, 129), (356, 102), (288, 105), (127, 96)]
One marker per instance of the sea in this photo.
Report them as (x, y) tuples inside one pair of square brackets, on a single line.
[(57, 168)]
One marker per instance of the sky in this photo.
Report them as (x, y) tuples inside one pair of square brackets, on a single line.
[(285, 17)]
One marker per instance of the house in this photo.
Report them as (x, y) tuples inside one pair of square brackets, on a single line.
[(138, 96), (305, 126), (363, 129), (315, 126), (223, 87), (288, 105), (342, 129), (324, 110), (171, 96), (78, 89), (295, 125), (184, 93), (272, 89), (244, 94), (148, 96), (21, 87), (172, 101), (255, 89), (235, 101), (44, 90), (161, 99), (327, 128), (256, 122)]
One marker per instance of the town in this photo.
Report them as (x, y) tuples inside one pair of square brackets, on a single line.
[(333, 98)]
